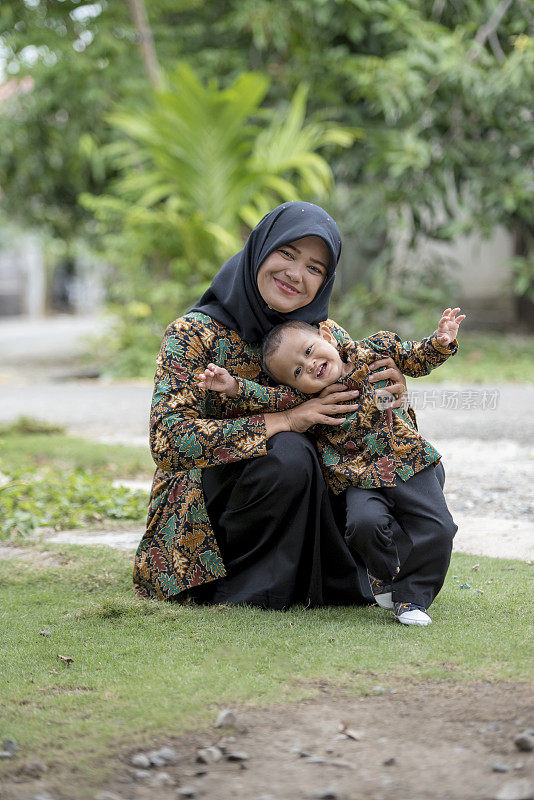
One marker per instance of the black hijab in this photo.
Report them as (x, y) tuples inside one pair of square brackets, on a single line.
[(234, 298)]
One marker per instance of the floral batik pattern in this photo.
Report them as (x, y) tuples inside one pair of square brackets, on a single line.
[(191, 429)]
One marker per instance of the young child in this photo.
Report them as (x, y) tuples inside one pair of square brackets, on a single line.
[(397, 518)]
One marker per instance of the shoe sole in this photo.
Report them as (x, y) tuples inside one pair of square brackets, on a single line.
[(384, 600), (419, 622)]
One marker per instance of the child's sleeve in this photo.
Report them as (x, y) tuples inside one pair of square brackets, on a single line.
[(412, 358), (255, 397)]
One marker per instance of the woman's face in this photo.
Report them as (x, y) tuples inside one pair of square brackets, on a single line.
[(291, 276)]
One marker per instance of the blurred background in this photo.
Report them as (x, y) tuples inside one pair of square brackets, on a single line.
[(140, 142)]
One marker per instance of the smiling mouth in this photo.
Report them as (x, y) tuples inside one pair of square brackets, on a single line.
[(322, 369), (285, 287)]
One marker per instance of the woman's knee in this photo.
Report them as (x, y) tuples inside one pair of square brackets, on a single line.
[(293, 456)]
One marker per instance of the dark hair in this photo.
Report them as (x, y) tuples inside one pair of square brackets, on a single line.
[(273, 340)]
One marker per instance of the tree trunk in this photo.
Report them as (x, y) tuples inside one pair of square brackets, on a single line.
[(146, 41)]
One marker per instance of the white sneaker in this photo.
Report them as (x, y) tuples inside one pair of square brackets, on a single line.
[(410, 614), (380, 592)]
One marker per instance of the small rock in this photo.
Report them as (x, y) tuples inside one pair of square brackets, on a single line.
[(107, 796), (495, 726), (522, 789), (162, 779), (326, 794), (378, 690), (340, 763), (316, 760), (10, 746), (236, 755), (225, 743), (300, 752), (525, 741), (519, 765), (140, 760), (42, 796), (500, 768), (389, 762), (226, 719), (155, 759), (187, 791), (5, 754), (33, 769), (168, 753), (209, 755), (142, 774), (45, 632)]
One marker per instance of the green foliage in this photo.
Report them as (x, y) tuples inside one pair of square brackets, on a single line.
[(29, 425), (442, 112), (197, 168), (37, 498), (523, 271)]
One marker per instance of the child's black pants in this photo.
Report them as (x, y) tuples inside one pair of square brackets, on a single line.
[(407, 526)]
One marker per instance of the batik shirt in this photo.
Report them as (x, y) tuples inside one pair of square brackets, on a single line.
[(191, 429), (372, 447)]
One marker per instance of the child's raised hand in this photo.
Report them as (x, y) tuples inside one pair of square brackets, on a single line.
[(218, 379), (448, 326)]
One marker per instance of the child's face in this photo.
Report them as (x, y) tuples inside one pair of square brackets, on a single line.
[(306, 361)]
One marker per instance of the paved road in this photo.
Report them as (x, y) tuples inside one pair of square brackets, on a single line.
[(485, 433)]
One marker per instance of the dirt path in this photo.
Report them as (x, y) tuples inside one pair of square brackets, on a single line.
[(413, 743)]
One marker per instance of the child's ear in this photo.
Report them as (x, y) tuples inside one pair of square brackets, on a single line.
[(325, 334)]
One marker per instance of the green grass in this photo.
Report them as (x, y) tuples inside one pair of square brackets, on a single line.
[(488, 358), (143, 669), (20, 450)]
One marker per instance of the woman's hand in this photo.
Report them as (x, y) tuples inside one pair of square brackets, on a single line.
[(218, 379), (397, 381), (322, 410)]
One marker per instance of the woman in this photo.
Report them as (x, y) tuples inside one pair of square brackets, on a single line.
[(239, 511)]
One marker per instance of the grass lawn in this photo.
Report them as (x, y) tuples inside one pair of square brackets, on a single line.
[(488, 358), (22, 449), (143, 669)]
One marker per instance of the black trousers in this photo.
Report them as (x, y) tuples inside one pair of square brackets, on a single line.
[(407, 526), (279, 533)]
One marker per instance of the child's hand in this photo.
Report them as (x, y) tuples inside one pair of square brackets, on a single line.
[(448, 326), (218, 379)]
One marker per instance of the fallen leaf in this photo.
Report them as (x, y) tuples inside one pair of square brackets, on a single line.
[(475, 567), (66, 659), (479, 591), (53, 672)]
